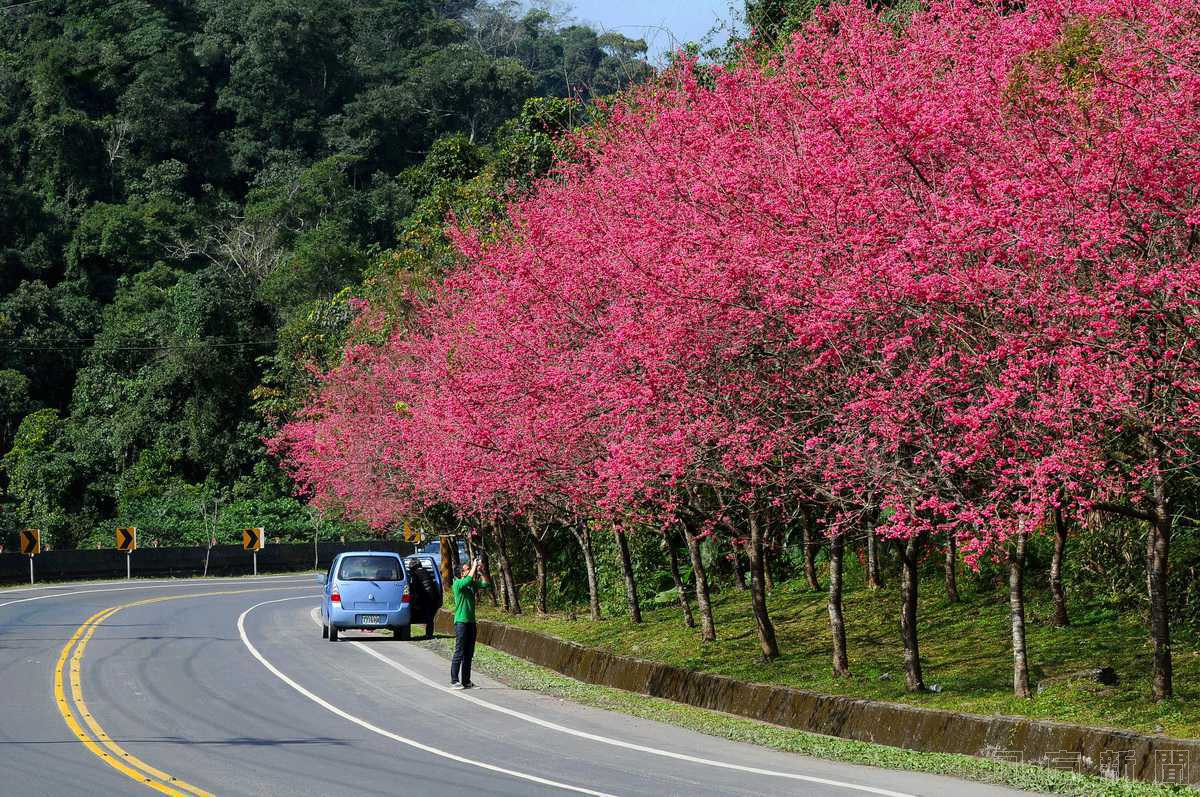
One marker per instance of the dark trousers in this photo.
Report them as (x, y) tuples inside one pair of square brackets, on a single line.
[(464, 651)]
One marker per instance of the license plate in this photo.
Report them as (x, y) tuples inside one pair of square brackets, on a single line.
[(371, 619)]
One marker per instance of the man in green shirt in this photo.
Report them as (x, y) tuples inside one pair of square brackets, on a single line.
[(464, 590)]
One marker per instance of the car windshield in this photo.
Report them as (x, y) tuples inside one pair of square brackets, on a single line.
[(370, 568), (435, 547)]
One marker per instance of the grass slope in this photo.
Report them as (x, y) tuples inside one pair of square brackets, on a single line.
[(521, 674), (965, 650)]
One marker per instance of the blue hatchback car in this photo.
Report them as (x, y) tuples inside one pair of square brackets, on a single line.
[(366, 590)]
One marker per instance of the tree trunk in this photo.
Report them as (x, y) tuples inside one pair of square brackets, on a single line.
[(873, 579), (316, 545), (688, 619), (631, 596), (539, 555), (739, 575), (1158, 548), (513, 599), (1016, 608), (504, 604), (583, 535), (445, 564), (1157, 551), (510, 583), (708, 628), (910, 552), (758, 592), (486, 565), (810, 552), (1061, 618), (455, 565), (837, 621), (952, 568), (537, 541)]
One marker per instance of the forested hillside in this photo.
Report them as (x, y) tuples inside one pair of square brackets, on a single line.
[(193, 194)]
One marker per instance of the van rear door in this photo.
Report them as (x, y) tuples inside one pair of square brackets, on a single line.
[(425, 585)]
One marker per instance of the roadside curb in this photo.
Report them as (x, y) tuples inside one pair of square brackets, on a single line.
[(1094, 751)]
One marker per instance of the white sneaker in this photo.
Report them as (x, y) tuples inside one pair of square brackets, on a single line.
[(457, 685)]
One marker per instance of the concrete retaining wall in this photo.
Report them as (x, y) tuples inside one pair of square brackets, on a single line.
[(225, 560), (1078, 748)]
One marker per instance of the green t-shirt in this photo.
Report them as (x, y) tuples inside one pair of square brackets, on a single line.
[(463, 590)]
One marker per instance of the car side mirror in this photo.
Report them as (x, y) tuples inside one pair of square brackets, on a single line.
[(321, 579)]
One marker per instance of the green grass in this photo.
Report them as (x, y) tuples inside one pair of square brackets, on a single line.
[(520, 674), (965, 650)]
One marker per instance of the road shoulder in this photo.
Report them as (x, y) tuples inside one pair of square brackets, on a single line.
[(522, 675)]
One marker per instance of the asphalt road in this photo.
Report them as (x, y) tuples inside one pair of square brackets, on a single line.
[(226, 687)]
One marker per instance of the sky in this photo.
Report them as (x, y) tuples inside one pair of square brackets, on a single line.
[(662, 23)]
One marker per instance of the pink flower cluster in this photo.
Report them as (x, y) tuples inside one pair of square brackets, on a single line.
[(947, 271)]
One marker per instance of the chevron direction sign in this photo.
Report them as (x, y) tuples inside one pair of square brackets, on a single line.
[(253, 539), (126, 539), (31, 542)]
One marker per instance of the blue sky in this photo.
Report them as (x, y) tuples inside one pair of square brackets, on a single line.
[(661, 23)]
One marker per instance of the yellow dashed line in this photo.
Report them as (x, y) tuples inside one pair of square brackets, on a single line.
[(108, 750)]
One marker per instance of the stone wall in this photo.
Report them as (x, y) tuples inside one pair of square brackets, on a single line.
[(1095, 751)]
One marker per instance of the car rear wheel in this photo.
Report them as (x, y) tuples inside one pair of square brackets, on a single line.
[(324, 632), (402, 632), (333, 633)]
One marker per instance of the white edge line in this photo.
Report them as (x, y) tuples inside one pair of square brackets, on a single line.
[(169, 585), (617, 742), (241, 625)]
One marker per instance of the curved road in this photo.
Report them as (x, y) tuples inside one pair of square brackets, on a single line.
[(226, 687)]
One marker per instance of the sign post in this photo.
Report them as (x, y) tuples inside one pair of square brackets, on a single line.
[(253, 540), (31, 546), (127, 542)]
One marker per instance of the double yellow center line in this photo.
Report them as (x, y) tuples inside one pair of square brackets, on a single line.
[(79, 718)]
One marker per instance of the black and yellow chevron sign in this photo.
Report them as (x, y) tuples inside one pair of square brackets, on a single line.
[(253, 539), (126, 539), (31, 542)]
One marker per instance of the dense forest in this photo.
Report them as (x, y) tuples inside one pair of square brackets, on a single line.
[(193, 197)]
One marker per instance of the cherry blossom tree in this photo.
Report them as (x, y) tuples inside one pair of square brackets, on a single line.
[(935, 282)]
